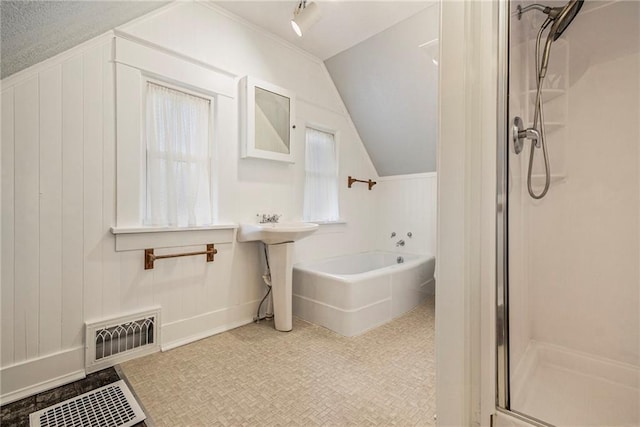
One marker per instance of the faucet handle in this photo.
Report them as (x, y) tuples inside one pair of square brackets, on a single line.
[(409, 234), (393, 234)]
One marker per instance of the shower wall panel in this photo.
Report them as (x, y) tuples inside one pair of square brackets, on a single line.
[(574, 255), (583, 237)]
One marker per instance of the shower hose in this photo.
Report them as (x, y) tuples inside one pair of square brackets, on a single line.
[(539, 115)]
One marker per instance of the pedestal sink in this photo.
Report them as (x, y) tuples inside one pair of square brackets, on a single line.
[(279, 238)]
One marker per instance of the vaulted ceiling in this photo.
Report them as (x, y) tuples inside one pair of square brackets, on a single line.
[(343, 24)]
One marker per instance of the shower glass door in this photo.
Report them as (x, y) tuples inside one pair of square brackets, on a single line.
[(572, 257)]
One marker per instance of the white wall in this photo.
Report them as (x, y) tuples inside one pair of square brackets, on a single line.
[(407, 203), (519, 324), (452, 288), (390, 86), (57, 202), (59, 266), (467, 205)]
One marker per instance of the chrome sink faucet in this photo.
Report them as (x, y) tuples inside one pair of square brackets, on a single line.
[(265, 219), (400, 243)]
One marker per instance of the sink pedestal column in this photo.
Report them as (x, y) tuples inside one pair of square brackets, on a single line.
[(281, 266)]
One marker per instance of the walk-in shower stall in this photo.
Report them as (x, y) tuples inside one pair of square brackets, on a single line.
[(568, 296)]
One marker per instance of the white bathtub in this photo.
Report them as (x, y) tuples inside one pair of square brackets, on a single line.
[(354, 293)]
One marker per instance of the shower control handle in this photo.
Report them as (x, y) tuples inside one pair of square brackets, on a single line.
[(519, 134)]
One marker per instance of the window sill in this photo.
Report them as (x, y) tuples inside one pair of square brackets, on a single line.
[(331, 227), (138, 238), (336, 222)]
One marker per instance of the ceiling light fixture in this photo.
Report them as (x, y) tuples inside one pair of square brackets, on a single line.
[(304, 16)]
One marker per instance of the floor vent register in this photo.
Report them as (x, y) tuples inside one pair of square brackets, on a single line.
[(110, 406)]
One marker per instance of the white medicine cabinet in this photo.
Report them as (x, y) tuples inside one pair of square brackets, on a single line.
[(267, 120)]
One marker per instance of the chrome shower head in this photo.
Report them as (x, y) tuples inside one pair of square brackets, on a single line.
[(561, 17), (553, 12)]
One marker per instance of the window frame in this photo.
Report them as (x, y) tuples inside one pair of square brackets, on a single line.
[(132, 61), (336, 139)]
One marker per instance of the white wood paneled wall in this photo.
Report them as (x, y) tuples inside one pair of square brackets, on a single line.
[(407, 203), (54, 217), (59, 264)]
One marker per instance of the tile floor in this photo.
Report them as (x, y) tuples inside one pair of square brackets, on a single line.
[(254, 375), (16, 414)]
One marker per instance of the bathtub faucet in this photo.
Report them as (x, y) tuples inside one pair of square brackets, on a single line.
[(400, 243)]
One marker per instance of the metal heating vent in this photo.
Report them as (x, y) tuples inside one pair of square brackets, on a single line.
[(110, 406), (125, 337), (116, 340)]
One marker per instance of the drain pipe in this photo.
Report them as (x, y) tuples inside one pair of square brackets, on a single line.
[(267, 281)]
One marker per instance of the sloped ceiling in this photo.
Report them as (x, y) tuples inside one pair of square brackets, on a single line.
[(32, 31), (343, 23), (389, 84)]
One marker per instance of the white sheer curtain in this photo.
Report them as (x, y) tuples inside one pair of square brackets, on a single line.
[(178, 158), (321, 177)]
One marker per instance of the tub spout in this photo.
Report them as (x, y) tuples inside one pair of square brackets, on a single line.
[(400, 243)]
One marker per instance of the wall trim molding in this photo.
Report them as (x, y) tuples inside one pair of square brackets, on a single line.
[(27, 73), (185, 331), (422, 175), (123, 34), (43, 373), (465, 333), (149, 15)]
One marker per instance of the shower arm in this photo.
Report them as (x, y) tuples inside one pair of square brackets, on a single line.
[(542, 8)]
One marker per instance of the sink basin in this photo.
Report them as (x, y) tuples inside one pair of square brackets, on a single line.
[(275, 233)]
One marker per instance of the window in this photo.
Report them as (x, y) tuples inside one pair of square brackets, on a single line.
[(321, 177), (178, 169)]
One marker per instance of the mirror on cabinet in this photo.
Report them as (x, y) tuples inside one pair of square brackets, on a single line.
[(266, 120)]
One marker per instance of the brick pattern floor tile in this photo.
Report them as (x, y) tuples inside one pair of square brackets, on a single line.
[(257, 376)]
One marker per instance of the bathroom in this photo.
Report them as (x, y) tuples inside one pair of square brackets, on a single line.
[(74, 239)]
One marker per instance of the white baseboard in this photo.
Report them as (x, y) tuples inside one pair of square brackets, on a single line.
[(186, 331), (44, 373)]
